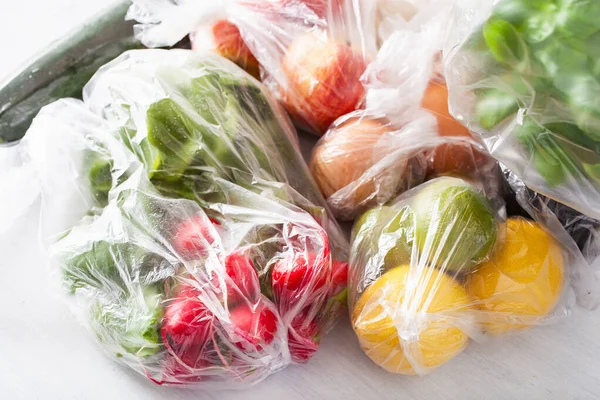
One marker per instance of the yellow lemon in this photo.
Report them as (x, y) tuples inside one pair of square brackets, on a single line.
[(411, 320), (522, 282)]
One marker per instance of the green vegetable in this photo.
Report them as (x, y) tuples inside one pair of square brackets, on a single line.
[(131, 323), (103, 266), (543, 55)]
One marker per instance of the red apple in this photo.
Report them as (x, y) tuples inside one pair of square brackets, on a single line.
[(254, 325), (193, 237), (323, 80), (225, 39)]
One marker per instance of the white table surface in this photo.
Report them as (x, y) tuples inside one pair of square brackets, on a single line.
[(44, 354)]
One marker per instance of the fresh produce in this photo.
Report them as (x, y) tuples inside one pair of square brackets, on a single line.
[(225, 39), (198, 249), (386, 231), (533, 82), (409, 308), (211, 123), (435, 100), (523, 280), (343, 164), (455, 225), (323, 80), (407, 322)]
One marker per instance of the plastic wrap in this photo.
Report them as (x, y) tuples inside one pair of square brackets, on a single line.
[(444, 264), (173, 205), (311, 53), (406, 133), (524, 76)]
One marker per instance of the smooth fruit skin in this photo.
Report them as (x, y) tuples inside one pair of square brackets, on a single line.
[(455, 225), (459, 159), (323, 80), (406, 320), (241, 280), (522, 282), (345, 154), (435, 100), (387, 231), (452, 157), (188, 326), (254, 325), (300, 278), (224, 38), (194, 237)]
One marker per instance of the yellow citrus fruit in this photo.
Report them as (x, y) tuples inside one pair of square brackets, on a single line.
[(408, 321), (522, 282)]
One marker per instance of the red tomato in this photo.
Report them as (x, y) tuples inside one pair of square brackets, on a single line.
[(193, 237), (253, 326), (298, 276), (241, 282), (188, 326), (303, 338)]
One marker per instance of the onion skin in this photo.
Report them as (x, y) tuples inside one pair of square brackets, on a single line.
[(345, 154)]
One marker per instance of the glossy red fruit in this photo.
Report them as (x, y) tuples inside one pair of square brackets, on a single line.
[(303, 340), (340, 274), (194, 237), (241, 282), (298, 276), (188, 327), (254, 326)]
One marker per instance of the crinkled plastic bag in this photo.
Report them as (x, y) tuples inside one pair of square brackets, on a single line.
[(311, 53), (406, 133), (524, 76), (443, 264), (170, 209)]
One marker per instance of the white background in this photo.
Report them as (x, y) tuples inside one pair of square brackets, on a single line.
[(44, 354)]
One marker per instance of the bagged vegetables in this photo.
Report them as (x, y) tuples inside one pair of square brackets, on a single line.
[(524, 76), (187, 233)]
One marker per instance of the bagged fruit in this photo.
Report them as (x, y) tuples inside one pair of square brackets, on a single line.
[(405, 134), (524, 76), (443, 264), (311, 53), (174, 212)]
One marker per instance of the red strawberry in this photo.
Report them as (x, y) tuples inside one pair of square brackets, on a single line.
[(253, 326), (298, 276), (303, 338), (193, 237)]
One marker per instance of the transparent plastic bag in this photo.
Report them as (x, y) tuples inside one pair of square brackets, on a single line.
[(311, 53), (189, 117), (444, 264), (214, 273), (524, 76), (406, 133)]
